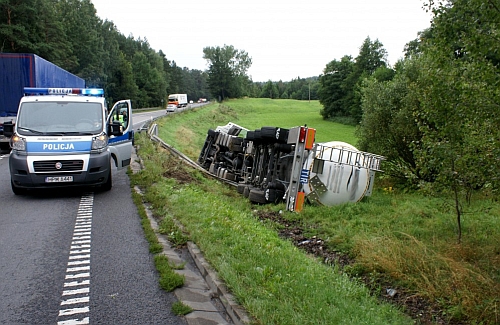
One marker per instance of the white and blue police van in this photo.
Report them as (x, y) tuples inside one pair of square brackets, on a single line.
[(65, 137)]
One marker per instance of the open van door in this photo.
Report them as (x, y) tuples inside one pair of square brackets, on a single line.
[(121, 145)]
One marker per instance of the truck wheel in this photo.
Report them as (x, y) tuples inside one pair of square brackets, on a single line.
[(17, 190), (109, 183), (274, 195), (278, 135), (268, 132), (276, 185), (257, 196)]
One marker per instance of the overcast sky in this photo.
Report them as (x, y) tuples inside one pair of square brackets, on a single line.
[(285, 39)]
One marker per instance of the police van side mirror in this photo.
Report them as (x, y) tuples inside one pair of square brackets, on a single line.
[(115, 128), (8, 129)]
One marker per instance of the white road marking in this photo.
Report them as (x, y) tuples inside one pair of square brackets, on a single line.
[(77, 283), (78, 273), (75, 301), (79, 257), (73, 311), (75, 322), (77, 276), (75, 292), (80, 251), (73, 263)]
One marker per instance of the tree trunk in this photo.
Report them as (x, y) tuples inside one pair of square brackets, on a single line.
[(459, 213)]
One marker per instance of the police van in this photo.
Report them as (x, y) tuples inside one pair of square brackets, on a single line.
[(65, 137)]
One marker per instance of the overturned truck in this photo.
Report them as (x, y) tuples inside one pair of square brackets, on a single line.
[(273, 164)]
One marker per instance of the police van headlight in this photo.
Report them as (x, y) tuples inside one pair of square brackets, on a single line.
[(100, 142), (18, 143)]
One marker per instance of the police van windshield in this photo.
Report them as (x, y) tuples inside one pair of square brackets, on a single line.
[(60, 118)]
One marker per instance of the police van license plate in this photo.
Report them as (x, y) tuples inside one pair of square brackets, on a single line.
[(58, 179)]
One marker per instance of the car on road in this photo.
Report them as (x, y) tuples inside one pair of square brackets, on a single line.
[(171, 108)]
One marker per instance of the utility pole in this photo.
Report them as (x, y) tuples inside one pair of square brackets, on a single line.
[(309, 91)]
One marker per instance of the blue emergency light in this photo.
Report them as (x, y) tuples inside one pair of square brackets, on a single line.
[(64, 91)]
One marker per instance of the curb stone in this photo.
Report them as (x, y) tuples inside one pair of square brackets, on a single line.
[(235, 311), (203, 291)]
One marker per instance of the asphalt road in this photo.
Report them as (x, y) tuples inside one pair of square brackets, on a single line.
[(77, 257)]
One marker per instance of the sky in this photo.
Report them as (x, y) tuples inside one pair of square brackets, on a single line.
[(285, 39)]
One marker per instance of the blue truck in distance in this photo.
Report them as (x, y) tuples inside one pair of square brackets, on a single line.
[(19, 70)]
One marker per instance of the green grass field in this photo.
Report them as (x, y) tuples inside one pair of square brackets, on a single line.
[(188, 130), (405, 240)]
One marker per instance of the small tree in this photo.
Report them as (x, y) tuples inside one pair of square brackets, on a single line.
[(460, 100), (332, 91), (372, 55), (227, 70), (388, 125)]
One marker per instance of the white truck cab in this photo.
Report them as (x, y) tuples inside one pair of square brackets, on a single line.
[(66, 137)]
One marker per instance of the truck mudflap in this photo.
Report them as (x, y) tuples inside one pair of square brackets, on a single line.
[(273, 164)]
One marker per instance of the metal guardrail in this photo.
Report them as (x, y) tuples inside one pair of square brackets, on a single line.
[(152, 132)]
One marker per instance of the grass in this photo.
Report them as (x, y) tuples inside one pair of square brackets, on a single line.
[(173, 232), (271, 278), (188, 130), (180, 309), (406, 237), (169, 279), (154, 244)]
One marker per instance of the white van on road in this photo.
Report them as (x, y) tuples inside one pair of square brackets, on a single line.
[(66, 137)]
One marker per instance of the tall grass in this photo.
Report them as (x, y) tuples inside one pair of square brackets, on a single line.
[(408, 237)]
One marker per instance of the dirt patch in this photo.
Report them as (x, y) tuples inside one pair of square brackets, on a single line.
[(422, 311), (182, 177), (175, 169)]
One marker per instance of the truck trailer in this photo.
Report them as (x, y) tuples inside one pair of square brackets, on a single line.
[(179, 100), (274, 164), (20, 70)]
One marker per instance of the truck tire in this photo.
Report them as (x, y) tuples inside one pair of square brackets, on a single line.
[(257, 196), (278, 135), (274, 195), (276, 185), (282, 135), (268, 132)]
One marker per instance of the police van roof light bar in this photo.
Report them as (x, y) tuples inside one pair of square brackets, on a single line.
[(64, 91)]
